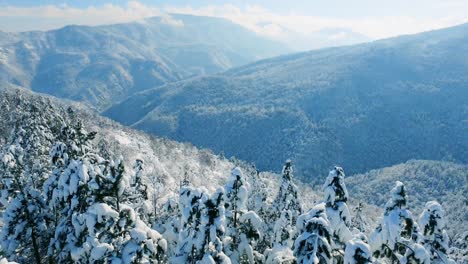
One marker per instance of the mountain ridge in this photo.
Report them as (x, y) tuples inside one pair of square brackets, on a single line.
[(326, 106), (102, 65)]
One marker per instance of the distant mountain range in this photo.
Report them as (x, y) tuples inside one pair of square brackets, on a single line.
[(104, 64), (366, 106)]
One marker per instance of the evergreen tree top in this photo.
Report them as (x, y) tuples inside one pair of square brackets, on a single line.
[(334, 187), (287, 170), (398, 197)]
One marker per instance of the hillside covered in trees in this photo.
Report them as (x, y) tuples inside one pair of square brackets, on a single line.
[(77, 188), (366, 106), (102, 65)]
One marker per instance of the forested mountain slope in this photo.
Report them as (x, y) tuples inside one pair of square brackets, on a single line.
[(426, 180), (366, 106), (77, 187), (102, 65)]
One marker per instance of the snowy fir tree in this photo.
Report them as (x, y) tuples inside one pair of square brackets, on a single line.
[(168, 224), (397, 238), (358, 221), (287, 198), (285, 209), (258, 194), (213, 226), (336, 196), (190, 203), (258, 203), (358, 251), (236, 193), (432, 225), (23, 170), (314, 243), (250, 230), (202, 227), (136, 192), (94, 226)]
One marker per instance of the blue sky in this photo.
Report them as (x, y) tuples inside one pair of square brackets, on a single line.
[(373, 19)]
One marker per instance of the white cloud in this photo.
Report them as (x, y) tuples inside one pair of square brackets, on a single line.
[(106, 14), (268, 23), (254, 17)]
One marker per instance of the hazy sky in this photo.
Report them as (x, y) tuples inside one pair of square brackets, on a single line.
[(372, 18)]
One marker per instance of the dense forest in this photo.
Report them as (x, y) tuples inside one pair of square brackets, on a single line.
[(68, 196)]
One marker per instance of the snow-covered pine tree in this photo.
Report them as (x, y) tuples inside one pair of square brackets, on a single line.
[(167, 224), (258, 202), (236, 193), (287, 198), (250, 229), (157, 189), (358, 222), (397, 238), (191, 202), (336, 196), (258, 194), (136, 192), (72, 142), (202, 227), (93, 225), (137, 183), (243, 227), (358, 251), (284, 230), (286, 209), (213, 225), (23, 170), (432, 224), (314, 243), (415, 254)]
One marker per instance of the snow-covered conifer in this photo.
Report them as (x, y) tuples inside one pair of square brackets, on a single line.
[(136, 192), (358, 222), (258, 203), (23, 169), (358, 251), (336, 196), (191, 202), (286, 209), (94, 225), (287, 198), (168, 224), (397, 238), (213, 224), (432, 225), (415, 254), (202, 227), (258, 195), (250, 229), (314, 243), (236, 193), (284, 230)]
